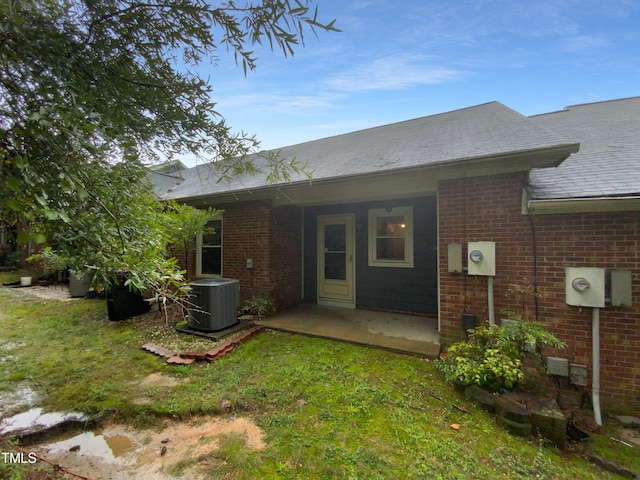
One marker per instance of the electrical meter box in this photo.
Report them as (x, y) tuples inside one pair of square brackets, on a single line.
[(482, 258), (584, 286)]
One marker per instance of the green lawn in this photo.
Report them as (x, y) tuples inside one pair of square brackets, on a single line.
[(328, 409)]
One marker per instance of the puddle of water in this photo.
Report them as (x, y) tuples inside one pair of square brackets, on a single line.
[(120, 452), (111, 449), (120, 444), (22, 397), (34, 418)]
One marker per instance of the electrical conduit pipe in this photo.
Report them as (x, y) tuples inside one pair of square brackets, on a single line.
[(492, 319), (595, 383)]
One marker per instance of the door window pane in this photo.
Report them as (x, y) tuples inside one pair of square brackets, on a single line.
[(335, 238), (335, 246), (335, 267)]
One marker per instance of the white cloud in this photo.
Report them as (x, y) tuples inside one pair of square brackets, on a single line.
[(392, 73), (585, 43), (273, 101)]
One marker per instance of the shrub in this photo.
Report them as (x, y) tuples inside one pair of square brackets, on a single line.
[(492, 356), (261, 304)]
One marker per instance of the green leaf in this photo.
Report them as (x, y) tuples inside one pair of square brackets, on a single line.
[(39, 238), (82, 194), (14, 184), (65, 183), (42, 199), (20, 162), (23, 236), (14, 205), (64, 217), (50, 214)]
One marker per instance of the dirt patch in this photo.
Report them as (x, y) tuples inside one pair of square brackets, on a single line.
[(631, 436), (156, 380), (159, 328), (119, 452), (159, 380)]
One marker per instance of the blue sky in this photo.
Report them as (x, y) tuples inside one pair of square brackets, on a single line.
[(396, 61)]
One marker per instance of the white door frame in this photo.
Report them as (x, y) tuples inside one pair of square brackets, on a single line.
[(337, 292)]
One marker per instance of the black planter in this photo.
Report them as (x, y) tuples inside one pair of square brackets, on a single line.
[(122, 303)]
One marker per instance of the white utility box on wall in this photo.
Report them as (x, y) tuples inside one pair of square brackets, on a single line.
[(482, 258), (621, 288), (558, 366), (454, 257), (584, 286)]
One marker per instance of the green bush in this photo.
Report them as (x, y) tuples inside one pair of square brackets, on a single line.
[(261, 305), (492, 356)]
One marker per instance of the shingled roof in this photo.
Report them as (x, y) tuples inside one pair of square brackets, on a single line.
[(608, 163), (484, 131)]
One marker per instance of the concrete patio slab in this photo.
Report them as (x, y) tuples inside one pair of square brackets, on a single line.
[(416, 335)]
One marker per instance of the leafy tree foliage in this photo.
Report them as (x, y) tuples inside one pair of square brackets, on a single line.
[(93, 90), (183, 224)]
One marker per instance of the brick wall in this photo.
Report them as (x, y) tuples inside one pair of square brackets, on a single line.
[(488, 208), (271, 236), (286, 256), (246, 230)]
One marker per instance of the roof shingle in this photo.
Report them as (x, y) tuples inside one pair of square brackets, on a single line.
[(608, 163), (482, 131)]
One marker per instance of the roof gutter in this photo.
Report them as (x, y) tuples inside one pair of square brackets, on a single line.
[(414, 180), (581, 205), (521, 161)]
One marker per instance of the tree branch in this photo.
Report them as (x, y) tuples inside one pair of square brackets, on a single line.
[(54, 465)]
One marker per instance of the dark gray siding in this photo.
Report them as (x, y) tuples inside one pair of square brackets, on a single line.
[(405, 289)]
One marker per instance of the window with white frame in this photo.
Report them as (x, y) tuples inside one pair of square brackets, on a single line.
[(391, 237), (209, 250)]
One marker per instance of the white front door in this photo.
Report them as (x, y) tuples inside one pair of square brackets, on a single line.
[(335, 260)]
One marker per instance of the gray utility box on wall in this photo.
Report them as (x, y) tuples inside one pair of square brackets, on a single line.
[(215, 304)]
